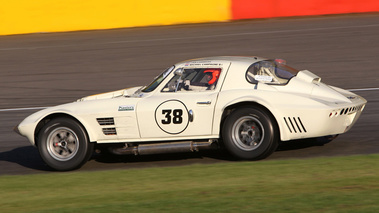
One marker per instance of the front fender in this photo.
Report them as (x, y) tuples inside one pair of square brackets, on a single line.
[(29, 125)]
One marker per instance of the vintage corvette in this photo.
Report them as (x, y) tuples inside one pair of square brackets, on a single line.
[(244, 104)]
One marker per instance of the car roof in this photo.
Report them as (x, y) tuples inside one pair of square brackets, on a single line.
[(233, 59)]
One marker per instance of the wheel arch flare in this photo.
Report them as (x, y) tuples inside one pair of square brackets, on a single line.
[(53, 115), (231, 107)]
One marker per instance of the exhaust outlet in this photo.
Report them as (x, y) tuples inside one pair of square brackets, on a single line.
[(162, 148)]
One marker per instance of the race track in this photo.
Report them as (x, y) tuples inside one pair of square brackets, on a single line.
[(40, 70)]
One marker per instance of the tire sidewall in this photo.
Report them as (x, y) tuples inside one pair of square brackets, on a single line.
[(82, 154), (267, 146)]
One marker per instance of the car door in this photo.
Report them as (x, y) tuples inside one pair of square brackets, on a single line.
[(184, 105)]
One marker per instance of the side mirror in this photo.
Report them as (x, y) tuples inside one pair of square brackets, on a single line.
[(179, 72)]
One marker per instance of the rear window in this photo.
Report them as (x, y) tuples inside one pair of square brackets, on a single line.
[(270, 72)]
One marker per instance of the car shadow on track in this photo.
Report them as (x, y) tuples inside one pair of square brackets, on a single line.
[(29, 157), (212, 155), (26, 156), (302, 144)]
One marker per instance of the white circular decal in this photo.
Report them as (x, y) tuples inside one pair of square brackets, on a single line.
[(172, 116)]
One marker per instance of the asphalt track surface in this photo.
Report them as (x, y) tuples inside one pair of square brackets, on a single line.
[(40, 70)]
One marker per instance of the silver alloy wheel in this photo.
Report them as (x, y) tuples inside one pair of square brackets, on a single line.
[(62, 144), (247, 133)]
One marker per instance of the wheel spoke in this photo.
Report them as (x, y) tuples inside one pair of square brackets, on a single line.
[(59, 135), (245, 125), (245, 138), (244, 133), (247, 133), (70, 139), (62, 144)]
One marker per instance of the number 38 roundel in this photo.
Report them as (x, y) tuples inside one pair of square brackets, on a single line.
[(172, 116)]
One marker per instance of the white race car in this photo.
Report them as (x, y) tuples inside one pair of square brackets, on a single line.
[(245, 104)]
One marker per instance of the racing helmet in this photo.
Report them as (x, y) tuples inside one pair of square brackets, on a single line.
[(215, 75)]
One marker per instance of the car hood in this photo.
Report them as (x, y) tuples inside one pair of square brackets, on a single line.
[(101, 103), (129, 92)]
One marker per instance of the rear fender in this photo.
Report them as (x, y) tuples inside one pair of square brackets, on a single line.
[(222, 112)]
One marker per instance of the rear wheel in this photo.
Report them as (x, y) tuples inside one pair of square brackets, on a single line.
[(63, 144), (250, 134)]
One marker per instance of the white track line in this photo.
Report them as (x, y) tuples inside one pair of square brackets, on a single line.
[(364, 89), (35, 108), (22, 109)]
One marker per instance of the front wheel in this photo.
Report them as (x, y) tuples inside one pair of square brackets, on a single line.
[(250, 134), (63, 144)]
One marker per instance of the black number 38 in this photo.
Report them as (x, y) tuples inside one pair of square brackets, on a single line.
[(176, 117)]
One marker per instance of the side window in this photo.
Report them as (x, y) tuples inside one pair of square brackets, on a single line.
[(201, 79), (262, 71)]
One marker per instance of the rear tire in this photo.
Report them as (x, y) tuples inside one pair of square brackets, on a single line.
[(63, 144), (250, 134)]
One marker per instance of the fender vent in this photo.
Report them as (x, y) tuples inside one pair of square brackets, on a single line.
[(105, 121), (294, 125), (109, 131)]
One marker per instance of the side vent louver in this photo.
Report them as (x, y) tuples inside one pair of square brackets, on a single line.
[(294, 125), (105, 121), (109, 131)]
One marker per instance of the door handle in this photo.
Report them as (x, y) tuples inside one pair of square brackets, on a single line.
[(204, 102)]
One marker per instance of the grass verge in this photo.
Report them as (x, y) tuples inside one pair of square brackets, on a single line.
[(338, 184)]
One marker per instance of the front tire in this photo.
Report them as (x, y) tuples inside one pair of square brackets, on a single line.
[(250, 134), (63, 144)]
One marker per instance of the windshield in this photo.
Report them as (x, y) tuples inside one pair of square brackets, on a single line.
[(158, 80), (271, 72)]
